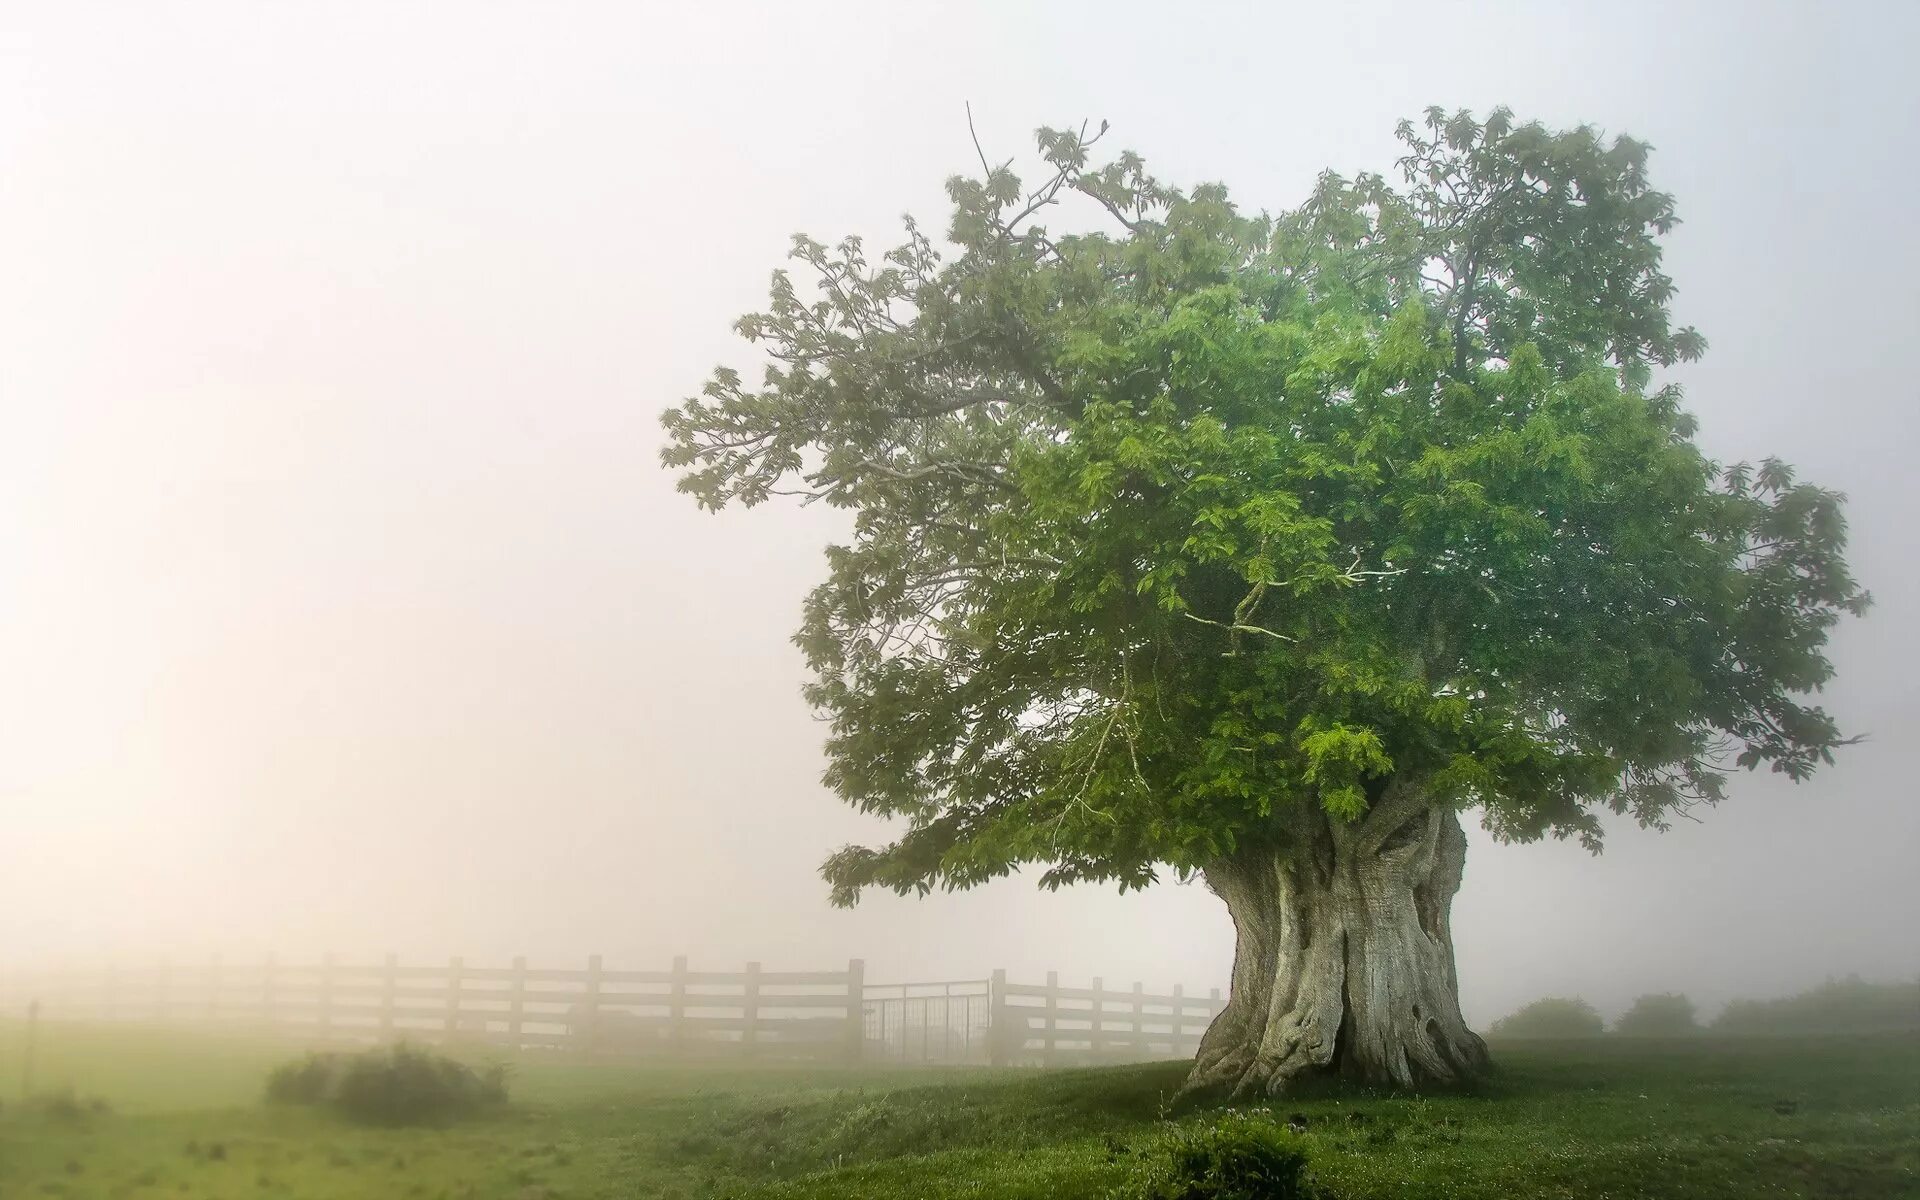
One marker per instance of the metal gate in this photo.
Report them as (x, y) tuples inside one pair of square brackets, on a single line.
[(949, 1021)]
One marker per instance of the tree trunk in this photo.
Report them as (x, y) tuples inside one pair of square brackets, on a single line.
[(1344, 962)]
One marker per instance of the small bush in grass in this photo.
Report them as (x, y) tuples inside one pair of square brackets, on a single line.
[(66, 1106), (1665, 1015), (397, 1085), (1553, 1017), (1238, 1156), (1007, 1040)]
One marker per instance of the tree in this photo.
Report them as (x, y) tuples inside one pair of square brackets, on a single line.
[(1259, 548), (1666, 1015), (1550, 1017)]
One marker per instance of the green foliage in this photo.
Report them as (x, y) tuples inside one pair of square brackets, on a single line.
[(1850, 1005), (307, 1080), (393, 1085), (1668, 1014), (1551, 1017), (1236, 1156), (1182, 530)]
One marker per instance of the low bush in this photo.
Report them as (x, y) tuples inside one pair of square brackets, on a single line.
[(393, 1085), (65, 1105), (307, 1080), (1552, 1017), (1666, 1015), (1850, 1005), (1237, 1156)]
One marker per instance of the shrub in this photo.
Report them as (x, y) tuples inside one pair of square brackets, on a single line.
[(1850, 1005), (307, 1080), (1238, 1156), (1669, 1014), (65, 1105), (1552, 1017), (1007, 1040), (397, 1085)]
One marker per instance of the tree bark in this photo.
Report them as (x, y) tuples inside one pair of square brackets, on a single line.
[(1344, 962)]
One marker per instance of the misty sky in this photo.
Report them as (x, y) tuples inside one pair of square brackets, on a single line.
[(344, 606)]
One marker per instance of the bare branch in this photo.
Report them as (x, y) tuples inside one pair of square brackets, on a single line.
[(986, 171), (1237, 627)]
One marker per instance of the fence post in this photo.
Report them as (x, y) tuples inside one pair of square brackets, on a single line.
[(1053, 1013), (1179, 1019), (326, 996), (677, 1004), (517, 1004), (1097, 1043), (1138, 1046), (591, 1004), (750, 1011), (389, 973), (856, 1008), (999, 1027), (454, 967)]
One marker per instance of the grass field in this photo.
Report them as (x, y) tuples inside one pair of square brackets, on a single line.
[(1614, 1118)]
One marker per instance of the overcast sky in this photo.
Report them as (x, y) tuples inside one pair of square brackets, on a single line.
[(344, 606)]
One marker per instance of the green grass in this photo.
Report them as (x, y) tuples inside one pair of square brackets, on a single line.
[(1706, 1117)]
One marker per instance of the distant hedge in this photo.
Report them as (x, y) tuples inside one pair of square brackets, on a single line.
[(1668, 1014), (1850, 1005), (1551, 1017), (392, 1085)]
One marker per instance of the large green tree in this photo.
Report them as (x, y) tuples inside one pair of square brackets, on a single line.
[(1262, 547)]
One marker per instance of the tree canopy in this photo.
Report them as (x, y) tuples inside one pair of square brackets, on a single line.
[(1175, 524)]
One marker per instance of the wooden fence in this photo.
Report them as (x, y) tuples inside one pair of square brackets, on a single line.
[(1053, 1025), (814, 1015)]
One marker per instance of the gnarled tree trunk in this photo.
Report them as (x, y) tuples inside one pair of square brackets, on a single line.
[(1345, 958)]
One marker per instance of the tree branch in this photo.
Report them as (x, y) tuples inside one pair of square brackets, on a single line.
[(1236, 627), (986, 172)]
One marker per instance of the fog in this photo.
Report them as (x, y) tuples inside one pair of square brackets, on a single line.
[(344, 606)]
